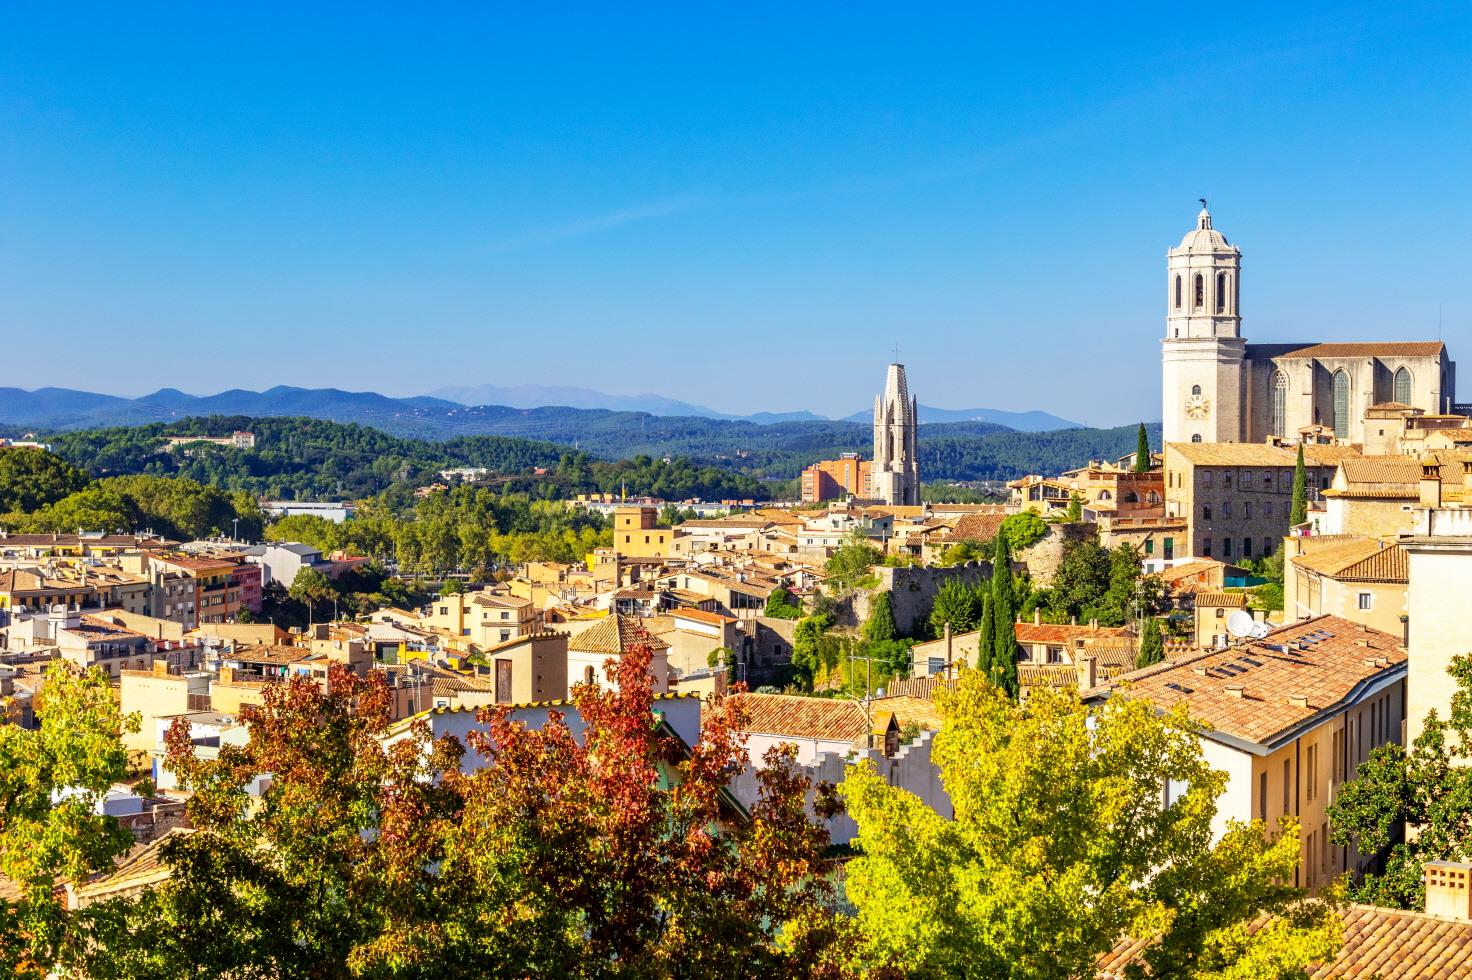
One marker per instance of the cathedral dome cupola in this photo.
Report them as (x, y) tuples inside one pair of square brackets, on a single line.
[(1204, 238)]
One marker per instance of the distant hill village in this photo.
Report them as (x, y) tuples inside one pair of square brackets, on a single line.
[(1289, 565)]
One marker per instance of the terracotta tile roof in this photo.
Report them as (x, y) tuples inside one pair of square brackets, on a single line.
[(1264, 690), (1258, 454), (1358, 560), (701, 616), (1062, 633), (1227, 600), (499, 600), (615, 633), (908, 708), (918, 687), (1411, 348), (1384, 944), (793, 716), (977, 527), (1047, 675), (1199, 566), (141, 867), (1382, 469)]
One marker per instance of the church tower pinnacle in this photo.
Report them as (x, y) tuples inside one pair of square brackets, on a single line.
[(895, 473), (1203, 351)]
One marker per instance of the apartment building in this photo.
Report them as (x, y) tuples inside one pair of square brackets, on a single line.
[(1236, 498), (1364, 580), (834, 479), (1289, 717)]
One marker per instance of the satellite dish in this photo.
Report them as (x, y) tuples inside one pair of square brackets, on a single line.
[(1240, 623)]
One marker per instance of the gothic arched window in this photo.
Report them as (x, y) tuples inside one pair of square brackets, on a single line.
[(1221, 292), (1195, 389), (1178, 292), (1200, 291), (1341, 404), (1280, 404), (1402, 386)]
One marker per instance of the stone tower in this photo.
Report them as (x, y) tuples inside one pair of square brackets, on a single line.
[(1202, 354), (895, 475)]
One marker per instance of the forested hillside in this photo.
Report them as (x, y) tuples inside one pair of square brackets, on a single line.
[(301, 458)]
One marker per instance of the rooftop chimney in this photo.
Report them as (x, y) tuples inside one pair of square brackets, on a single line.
[(1037, 616), (1430, 485), (1236, 691), (1447, 893), (1087, 673)]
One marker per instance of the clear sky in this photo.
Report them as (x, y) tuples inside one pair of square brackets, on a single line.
[(742, 205)]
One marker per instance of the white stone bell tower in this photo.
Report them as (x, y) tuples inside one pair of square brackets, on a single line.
[(1202, 354)]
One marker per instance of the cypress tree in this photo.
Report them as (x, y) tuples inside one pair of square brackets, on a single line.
[(1299, 513), (1004, 638), (1152, 647), (984, 637), (1142, 451), (1075, 512)]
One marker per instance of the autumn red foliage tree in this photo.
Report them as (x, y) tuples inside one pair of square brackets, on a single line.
[(625, 844), (600, 849)]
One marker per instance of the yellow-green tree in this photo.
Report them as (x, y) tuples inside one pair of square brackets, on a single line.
[(1070, 833), (52, 779)]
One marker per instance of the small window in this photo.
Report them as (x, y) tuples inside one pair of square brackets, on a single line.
[(1206, 512), (1367, 600), (1149, 546), (1200, 291), (1206, 546), (588, 675), (1221, 292), (1195, 389), (1226, 547), (1196, 437), (1178, 294), (1246, 547)]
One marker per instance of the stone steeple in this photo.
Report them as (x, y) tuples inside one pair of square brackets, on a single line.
[(895, 474)]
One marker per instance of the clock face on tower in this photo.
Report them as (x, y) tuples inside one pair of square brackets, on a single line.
[(1198, 407)]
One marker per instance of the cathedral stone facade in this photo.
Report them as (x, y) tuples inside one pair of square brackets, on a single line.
[(894, 475), (1219, 388)]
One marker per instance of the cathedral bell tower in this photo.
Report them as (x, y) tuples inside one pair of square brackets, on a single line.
[(894, 476), (1202, 354)]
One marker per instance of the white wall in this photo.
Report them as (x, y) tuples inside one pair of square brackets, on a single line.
[(1235, 803)]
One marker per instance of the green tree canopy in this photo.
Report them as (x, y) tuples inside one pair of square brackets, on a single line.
[(32, 478), (852, 560), (52, 780), (781, 606), (1062, 843), (1428, 788), (956, 604), (1023, 530)]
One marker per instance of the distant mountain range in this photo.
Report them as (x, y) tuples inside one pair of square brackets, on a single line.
[(548, 396)]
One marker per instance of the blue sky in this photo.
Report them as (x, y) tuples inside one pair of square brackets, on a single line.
[(746, 206)]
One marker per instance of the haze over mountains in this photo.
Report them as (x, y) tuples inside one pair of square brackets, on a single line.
[(543, 396), (445, 413)]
